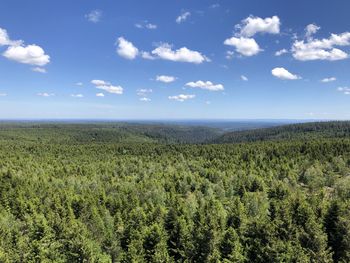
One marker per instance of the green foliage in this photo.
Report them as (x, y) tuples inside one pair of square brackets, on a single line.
[(305, 131), (66, 197)]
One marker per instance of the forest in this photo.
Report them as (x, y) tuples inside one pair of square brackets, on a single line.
[(121, 192)]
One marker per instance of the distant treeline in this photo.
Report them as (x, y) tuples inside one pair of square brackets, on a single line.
[(107, 132), (304, 131), (168, 134)]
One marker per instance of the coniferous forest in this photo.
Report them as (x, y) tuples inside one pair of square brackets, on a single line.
[(117, 192)]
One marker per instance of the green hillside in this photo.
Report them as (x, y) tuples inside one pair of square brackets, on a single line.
[(304, 131), (106, 132)]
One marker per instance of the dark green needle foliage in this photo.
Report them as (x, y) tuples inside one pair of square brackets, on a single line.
[(148, 193)]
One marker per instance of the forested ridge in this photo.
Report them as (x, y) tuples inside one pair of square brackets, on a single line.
[(103, 193), (107, 132), (304, 131)]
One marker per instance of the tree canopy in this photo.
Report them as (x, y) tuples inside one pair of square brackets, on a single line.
[(77, 193)]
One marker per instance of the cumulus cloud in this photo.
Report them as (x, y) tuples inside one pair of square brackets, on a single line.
[(94, 16), (38, 69), (79, 84), (112, 89), (126, 49), (281, 52), (143, 92), (146, 24), (5, 39), (45, 94), (107, 86), (77, 95), (27, 54), (182, 97), (244, 78), (252, 25), (245, 46), (100, 94), (320, 49), (207, 85), (229, 54), (183, 17), (345, 90), (282, 73), (310, 30), (147, 55), (145, 99), (164, 51), (325, 80), (165, 78), (31, 54), (243, 41), (98, 82)]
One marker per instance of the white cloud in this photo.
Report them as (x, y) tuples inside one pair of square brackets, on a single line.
[(100, 94), (244, 46), (325, 80), (165, 78), (147, 55), (181, 97), (143, 92), (310, 30), (38, 69), (98, 82), (282, 73), (229, 54), (79, 84), (207, 85), (45, 94), (151, 26), (3, 94), (244, 78), (183, 54), (321, 49), (112, 89), (94, 16), (215, 5), (77, 95), (252, 25), (107, 86), (26, 54), (138, 25), (146, 24), (243, 41), (5, 39), (31, 54), (145, 99), (345, 90), (183, 17), (126, 49), (281, 52)]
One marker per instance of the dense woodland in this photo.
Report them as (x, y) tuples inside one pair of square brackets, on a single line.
[(305, 131), (148, 193)]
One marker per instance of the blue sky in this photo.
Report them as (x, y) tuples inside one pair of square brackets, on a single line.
[(174, 59)]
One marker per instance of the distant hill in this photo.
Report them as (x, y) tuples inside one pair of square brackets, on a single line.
[(122, 132), (312, 130), (106, 132)]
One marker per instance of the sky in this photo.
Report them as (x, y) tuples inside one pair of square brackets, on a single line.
[(205, 59)]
